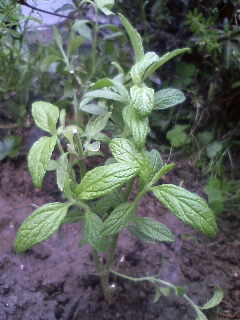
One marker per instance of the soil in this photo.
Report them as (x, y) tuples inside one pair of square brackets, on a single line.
[(56, 280)]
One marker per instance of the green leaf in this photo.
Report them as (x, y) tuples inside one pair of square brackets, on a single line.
[(164, 169), (139, 235), (48, 60), (45, 116), (61, 170), (153, 229), (39, 158), (92, 229), (118, 219), (105, 179), (200, 315), (142, 100), (6, 146), (97, 124), (215, 300), (58, 37), (188, 207), (124, 151), (177, 136), (40, 225), (138, 127), (74, 44), (111, 200), (82, 28), (73, 216), (168, 98), (213, 149), (92, 147), (135, 38), (140, 67), (103, 94), (155, 160), (162, 60), (105, 6)]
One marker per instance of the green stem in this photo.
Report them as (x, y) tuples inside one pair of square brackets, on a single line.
[(60, 146), (82, 164)]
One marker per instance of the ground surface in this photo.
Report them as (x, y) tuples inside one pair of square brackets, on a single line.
[(55, 280)]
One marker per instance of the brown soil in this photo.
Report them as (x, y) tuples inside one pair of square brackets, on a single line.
[(55, 280)]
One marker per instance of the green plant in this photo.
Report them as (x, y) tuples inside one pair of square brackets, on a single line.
[(100, 198)]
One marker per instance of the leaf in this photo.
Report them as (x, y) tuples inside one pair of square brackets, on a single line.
[(139, 235), (135, 38), (142, 100), (155, 160), (74, 44), (200, 315), (58, 37), (140, 67), (103, 94), (162, 60), (73, 216), (105, 6), (167, 98), (213, 149), (188, 207), (154, 229), (165, 169), (92, 229), (40, 225), (177, 136), (45, 115), (81, 27), (94, 109), (39, 158), (92, 147), (97, 124), (6, 146), (138, 127), (215, 300), (111, 200), (105, 179), (61, 170), (118, 219), (47, 61), (124, 151)]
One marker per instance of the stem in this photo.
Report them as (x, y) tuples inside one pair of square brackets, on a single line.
[(82, 164)]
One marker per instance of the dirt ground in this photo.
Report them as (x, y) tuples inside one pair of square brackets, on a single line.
[(55, 280)]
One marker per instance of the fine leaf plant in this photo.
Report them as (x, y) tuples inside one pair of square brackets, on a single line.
[(100, 198)]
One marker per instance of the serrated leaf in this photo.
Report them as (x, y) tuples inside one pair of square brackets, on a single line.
[(138, 127), (45, 115), (165, 169), (124, 151), (215, 300), (142, 100), (153, 229), (188, 207), (103, 94), (61, 170), (155, 160), (111, 200), (139, 235), (39, 157), (74, 44), (167, 98), (119, 219), (97, 124), (40, 225), (140, 67), (73, 216), (105, 179), (177, 136), (92, 229), (162, 60), (135, 38)]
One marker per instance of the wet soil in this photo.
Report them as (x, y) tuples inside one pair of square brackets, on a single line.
[(56, 280)]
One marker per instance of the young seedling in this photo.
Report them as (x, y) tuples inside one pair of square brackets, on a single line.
[(100, 197)]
